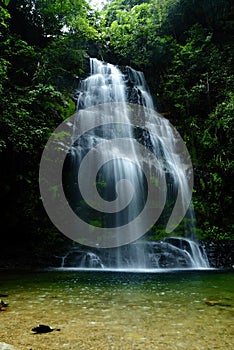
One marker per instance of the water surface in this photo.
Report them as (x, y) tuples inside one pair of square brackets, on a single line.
[(118, 310)]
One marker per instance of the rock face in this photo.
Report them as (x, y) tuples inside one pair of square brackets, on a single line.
[(5, 346), (169, 253), (220, 253)]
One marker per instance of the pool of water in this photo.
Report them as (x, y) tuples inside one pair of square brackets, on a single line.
[(118, 310)]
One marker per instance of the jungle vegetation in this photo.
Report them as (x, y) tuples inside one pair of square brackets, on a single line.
[(185, 49)]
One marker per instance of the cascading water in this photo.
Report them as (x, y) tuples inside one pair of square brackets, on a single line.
[(108, 85)]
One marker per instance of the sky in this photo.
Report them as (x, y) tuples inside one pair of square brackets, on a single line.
[(97, 4)]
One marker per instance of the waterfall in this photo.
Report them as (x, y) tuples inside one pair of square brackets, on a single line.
[(111, 95)]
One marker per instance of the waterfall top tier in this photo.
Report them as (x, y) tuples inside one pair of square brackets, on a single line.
[(107, 84)]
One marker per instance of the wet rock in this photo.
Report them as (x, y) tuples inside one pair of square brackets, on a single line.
[(5, 346), (3, 305), (217, 302), (213, 302), (43, 329)]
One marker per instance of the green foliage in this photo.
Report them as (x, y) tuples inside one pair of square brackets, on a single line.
[(218, 135), (185, 49), (3, 72), (40, 22), (33, 103), (132, 34), (6, 2), (4, 17)]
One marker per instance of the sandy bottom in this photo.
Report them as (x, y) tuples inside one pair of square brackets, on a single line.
[(119, 315)]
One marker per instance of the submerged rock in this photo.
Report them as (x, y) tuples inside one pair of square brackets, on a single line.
[(213, 302), (217, 302), (5, 346), (43, 329), (3, 305)]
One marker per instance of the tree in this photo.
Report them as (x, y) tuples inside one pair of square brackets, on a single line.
[(37, 69)]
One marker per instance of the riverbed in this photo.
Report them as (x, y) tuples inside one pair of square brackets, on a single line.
[(106, 310)]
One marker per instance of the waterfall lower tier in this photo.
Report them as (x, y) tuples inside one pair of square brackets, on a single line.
[(171, 253)]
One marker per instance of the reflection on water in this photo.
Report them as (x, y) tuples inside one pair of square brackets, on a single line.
[(106, 310)]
